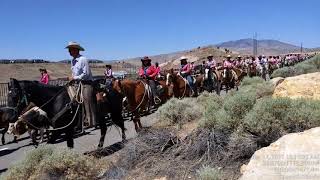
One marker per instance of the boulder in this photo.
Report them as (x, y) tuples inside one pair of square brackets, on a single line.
[(302, 86), (293, 156), (276, 81)]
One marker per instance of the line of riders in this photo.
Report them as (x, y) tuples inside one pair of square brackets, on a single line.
[(36, 106), (212, 75)]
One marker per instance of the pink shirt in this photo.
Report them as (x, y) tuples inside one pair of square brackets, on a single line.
[(211, 64), (44, 79), (150, 72), (227, 64), (186, 68)]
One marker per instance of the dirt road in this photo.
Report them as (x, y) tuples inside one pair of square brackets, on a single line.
[(11, 153)]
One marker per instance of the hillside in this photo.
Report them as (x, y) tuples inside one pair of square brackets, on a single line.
[(197, 56), (267, 47)]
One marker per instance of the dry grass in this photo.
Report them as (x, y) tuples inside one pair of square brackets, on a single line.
[(47, 162)]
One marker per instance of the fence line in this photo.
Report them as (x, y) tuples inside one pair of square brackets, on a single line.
[(4, 87), (4, 90)]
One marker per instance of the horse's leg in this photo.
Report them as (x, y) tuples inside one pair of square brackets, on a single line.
[(69, 137), (15, 139), (41, 135), (118, 120), (101, 120), (2, 139), (136, 121), (103, 131), (34, 137)]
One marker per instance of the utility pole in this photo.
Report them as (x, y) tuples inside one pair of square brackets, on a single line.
[(301, 49), (255, 45)]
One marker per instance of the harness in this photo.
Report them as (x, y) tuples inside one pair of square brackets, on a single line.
[(77, 98), (185, 86)]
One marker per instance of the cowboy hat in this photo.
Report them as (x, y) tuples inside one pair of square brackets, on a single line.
[(210, 55), (239, 56), (228, 56), (108, 65), (74, 45), (183, 58), (146, 58)]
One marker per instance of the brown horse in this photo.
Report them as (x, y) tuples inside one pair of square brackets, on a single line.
[(229, 79), (252, 70), (138, 97), (179, 85)]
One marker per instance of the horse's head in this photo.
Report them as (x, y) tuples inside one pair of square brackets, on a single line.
[(17, 97), (18, 128), (116, 85)]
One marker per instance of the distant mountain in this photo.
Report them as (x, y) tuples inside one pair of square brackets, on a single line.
[(267, 47)]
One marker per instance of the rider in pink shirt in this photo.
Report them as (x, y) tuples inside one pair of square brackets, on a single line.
[(211, 63), (227, 63), (44, 76)]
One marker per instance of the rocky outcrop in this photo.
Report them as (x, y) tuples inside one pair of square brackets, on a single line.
[(302, 86), (293, 156), (276, 81)]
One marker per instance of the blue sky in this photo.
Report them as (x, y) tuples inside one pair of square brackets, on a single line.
[(116, 29)]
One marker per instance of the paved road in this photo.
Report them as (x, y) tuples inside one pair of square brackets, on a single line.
[(13, 152)]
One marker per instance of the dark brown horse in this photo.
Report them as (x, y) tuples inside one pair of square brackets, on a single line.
[(229, 79), (7, 115), (252, 70), (211, 81)]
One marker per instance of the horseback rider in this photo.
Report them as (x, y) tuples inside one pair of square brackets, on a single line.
[(262, 63), (211, 63), (81, 71), (185, 71), (238, 62), (227, 65), (108, 76), (149, 72)]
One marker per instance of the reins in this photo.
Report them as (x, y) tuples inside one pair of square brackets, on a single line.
[(77, 98), (185, 87)]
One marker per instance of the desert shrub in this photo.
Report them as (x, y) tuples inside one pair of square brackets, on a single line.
[(216, 118), (205, 99), (315, 61), (247, 81), (303, 68), (48, 162), (177, 112), (28, 166), (239, 104), (266, 119), (303, 114), (209, 173), (283, 72), (241, 145), (229, 115)]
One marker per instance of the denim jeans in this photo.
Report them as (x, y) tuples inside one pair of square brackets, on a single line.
[(190, 81)]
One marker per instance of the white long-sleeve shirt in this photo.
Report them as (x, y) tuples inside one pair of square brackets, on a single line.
[(80, 68)]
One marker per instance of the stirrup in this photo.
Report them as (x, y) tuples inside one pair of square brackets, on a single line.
[(156, 100)]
